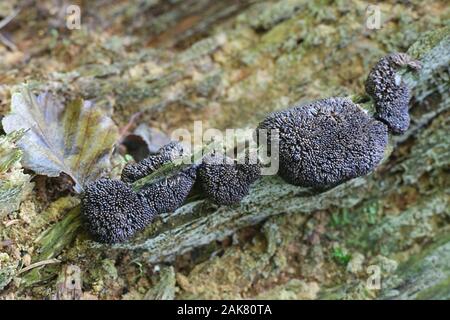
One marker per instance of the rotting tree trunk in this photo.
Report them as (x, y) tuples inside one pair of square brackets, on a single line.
[(199, 222)]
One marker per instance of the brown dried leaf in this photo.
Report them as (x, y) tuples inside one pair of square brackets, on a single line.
[(76, 139)]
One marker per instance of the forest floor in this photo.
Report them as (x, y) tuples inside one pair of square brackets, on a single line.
[(161, 65)]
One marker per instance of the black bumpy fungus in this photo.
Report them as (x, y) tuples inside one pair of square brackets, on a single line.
[(390, 93), (224, 181), (113, 211), (168, 193), (136, 171), (327, 142)]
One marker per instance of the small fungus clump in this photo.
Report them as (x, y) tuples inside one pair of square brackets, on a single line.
[(136, 171), (390, 93), (224, 181), (113, 211), (327, 142), (169, 193)]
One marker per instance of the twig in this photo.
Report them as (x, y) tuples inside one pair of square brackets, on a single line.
[(8, 43), (9, 18), (39, 264), (126, 129), (11, 222)]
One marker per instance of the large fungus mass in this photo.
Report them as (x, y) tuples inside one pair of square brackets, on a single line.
[(327, 142)]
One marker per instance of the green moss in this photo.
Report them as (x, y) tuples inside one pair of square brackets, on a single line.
[(264, 16), (15, 186), (440, 291), (424, 276), (427, 41), (7, 269), (164, 289), (52, 242), (340, 256), (340, 218)]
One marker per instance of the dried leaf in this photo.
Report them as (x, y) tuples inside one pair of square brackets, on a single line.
[(153, 137), (144, 141), (76, 139)]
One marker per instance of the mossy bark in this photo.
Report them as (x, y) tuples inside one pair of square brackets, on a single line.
[(198, 223)]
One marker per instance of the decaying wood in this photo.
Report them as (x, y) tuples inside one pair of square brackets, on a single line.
[(199, 222)]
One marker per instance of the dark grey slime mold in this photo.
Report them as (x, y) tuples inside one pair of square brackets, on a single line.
[(167, 153), (113, 211), (389, 92), (169, 193), (224, 181), (327, 142)]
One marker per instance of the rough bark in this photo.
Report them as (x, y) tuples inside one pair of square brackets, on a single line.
[(199, 222)]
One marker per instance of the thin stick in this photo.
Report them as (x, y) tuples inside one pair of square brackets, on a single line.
[(9, 18), (39, 264), (8, 43)]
